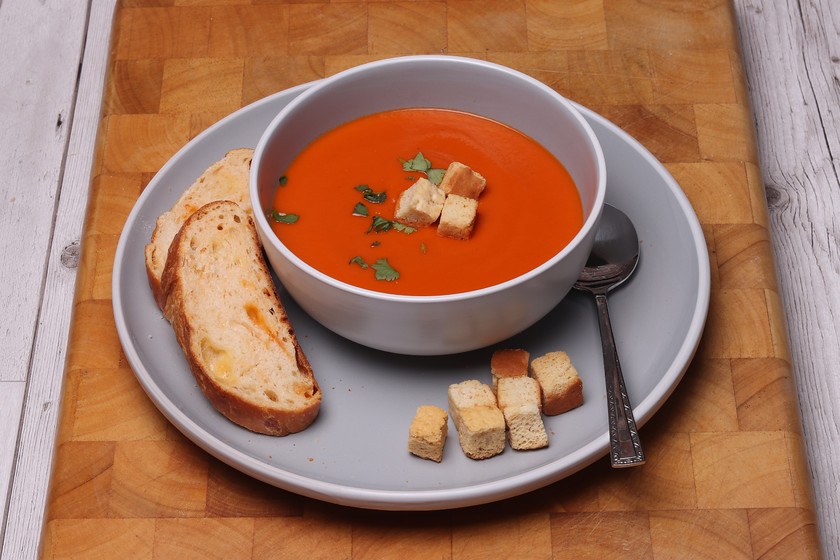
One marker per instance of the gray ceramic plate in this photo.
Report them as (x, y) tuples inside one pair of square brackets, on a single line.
[(355, 452)]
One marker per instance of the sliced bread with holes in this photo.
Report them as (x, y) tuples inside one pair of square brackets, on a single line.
[(227, 179), (233, 329)]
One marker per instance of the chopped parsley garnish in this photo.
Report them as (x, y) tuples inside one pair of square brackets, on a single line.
[(418, 163), (421, 164), (382, 270), (403, 228), (379, 224), (283, 218), (436, 175), (283, 180), (358, 260), (377, 197), (360, 209)]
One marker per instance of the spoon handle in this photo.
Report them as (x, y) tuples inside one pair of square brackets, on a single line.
[(625, 446)]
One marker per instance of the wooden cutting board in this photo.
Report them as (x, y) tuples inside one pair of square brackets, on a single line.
[(726, 475)]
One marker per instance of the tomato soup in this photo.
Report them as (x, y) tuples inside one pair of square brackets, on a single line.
[(529, 210)]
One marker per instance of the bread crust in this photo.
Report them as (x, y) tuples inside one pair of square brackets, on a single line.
[(226, 179), (277, 420)]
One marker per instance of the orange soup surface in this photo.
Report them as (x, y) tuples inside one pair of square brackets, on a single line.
[(529, 210)]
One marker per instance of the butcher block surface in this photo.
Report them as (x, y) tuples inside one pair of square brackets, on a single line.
[(726, 474)]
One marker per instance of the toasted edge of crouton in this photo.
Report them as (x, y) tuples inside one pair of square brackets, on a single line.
[(420, 204), (427, 433), (562, 387), (461, 180), (457, 218), (508, 362)]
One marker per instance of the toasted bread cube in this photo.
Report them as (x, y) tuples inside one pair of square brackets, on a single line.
[(481, 432), (518, 391), (562, 388), (508, 363), (427, 432), (461, 180), (457, 218), (420, 204), (525, 426), (468, 394)]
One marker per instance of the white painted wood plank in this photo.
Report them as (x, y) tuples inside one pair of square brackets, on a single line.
[(11, 404), (791, 53), (30, 482), (41, 45)]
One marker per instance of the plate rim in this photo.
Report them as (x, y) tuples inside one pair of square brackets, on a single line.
[(381, 499)]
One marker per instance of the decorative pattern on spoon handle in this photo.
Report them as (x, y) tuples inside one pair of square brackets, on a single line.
[(625, 445)]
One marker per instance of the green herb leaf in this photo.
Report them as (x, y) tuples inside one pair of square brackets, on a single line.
[(384, 271), (375, 244), (379, 224), (283, 180), (360, 209), (363, 188), (423, 248), (283, 218), (418, 163), (435, 175), (358, 261), (375, 197), (403, 228)]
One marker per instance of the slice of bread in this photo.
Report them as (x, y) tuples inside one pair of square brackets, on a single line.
[(233, 329), (227, 179), (427, 433), (562, 388)]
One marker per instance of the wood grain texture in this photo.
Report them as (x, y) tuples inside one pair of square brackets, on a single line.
[(798, 139), (41, 132), (127, 484)]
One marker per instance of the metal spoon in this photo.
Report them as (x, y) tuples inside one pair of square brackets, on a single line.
[(614, 257)]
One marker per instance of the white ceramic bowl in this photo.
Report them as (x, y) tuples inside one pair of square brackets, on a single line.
[(430, 325)]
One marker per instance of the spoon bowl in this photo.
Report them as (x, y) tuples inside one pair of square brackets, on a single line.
[(614, 257)]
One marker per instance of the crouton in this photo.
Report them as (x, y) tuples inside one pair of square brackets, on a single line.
[(427, 433), (461, 180), (519, 400), (562, 388), (420, 204), (517, 391), (525, 427), (480, 423), (481, 432), (457, 218), (508, 363), (468, 394)]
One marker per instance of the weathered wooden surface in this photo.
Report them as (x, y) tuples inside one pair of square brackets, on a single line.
[(663, 83)]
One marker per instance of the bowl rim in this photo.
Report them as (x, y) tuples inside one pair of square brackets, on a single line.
[(589, 224)]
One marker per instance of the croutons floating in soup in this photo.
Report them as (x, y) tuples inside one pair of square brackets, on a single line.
[(336, 206)]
